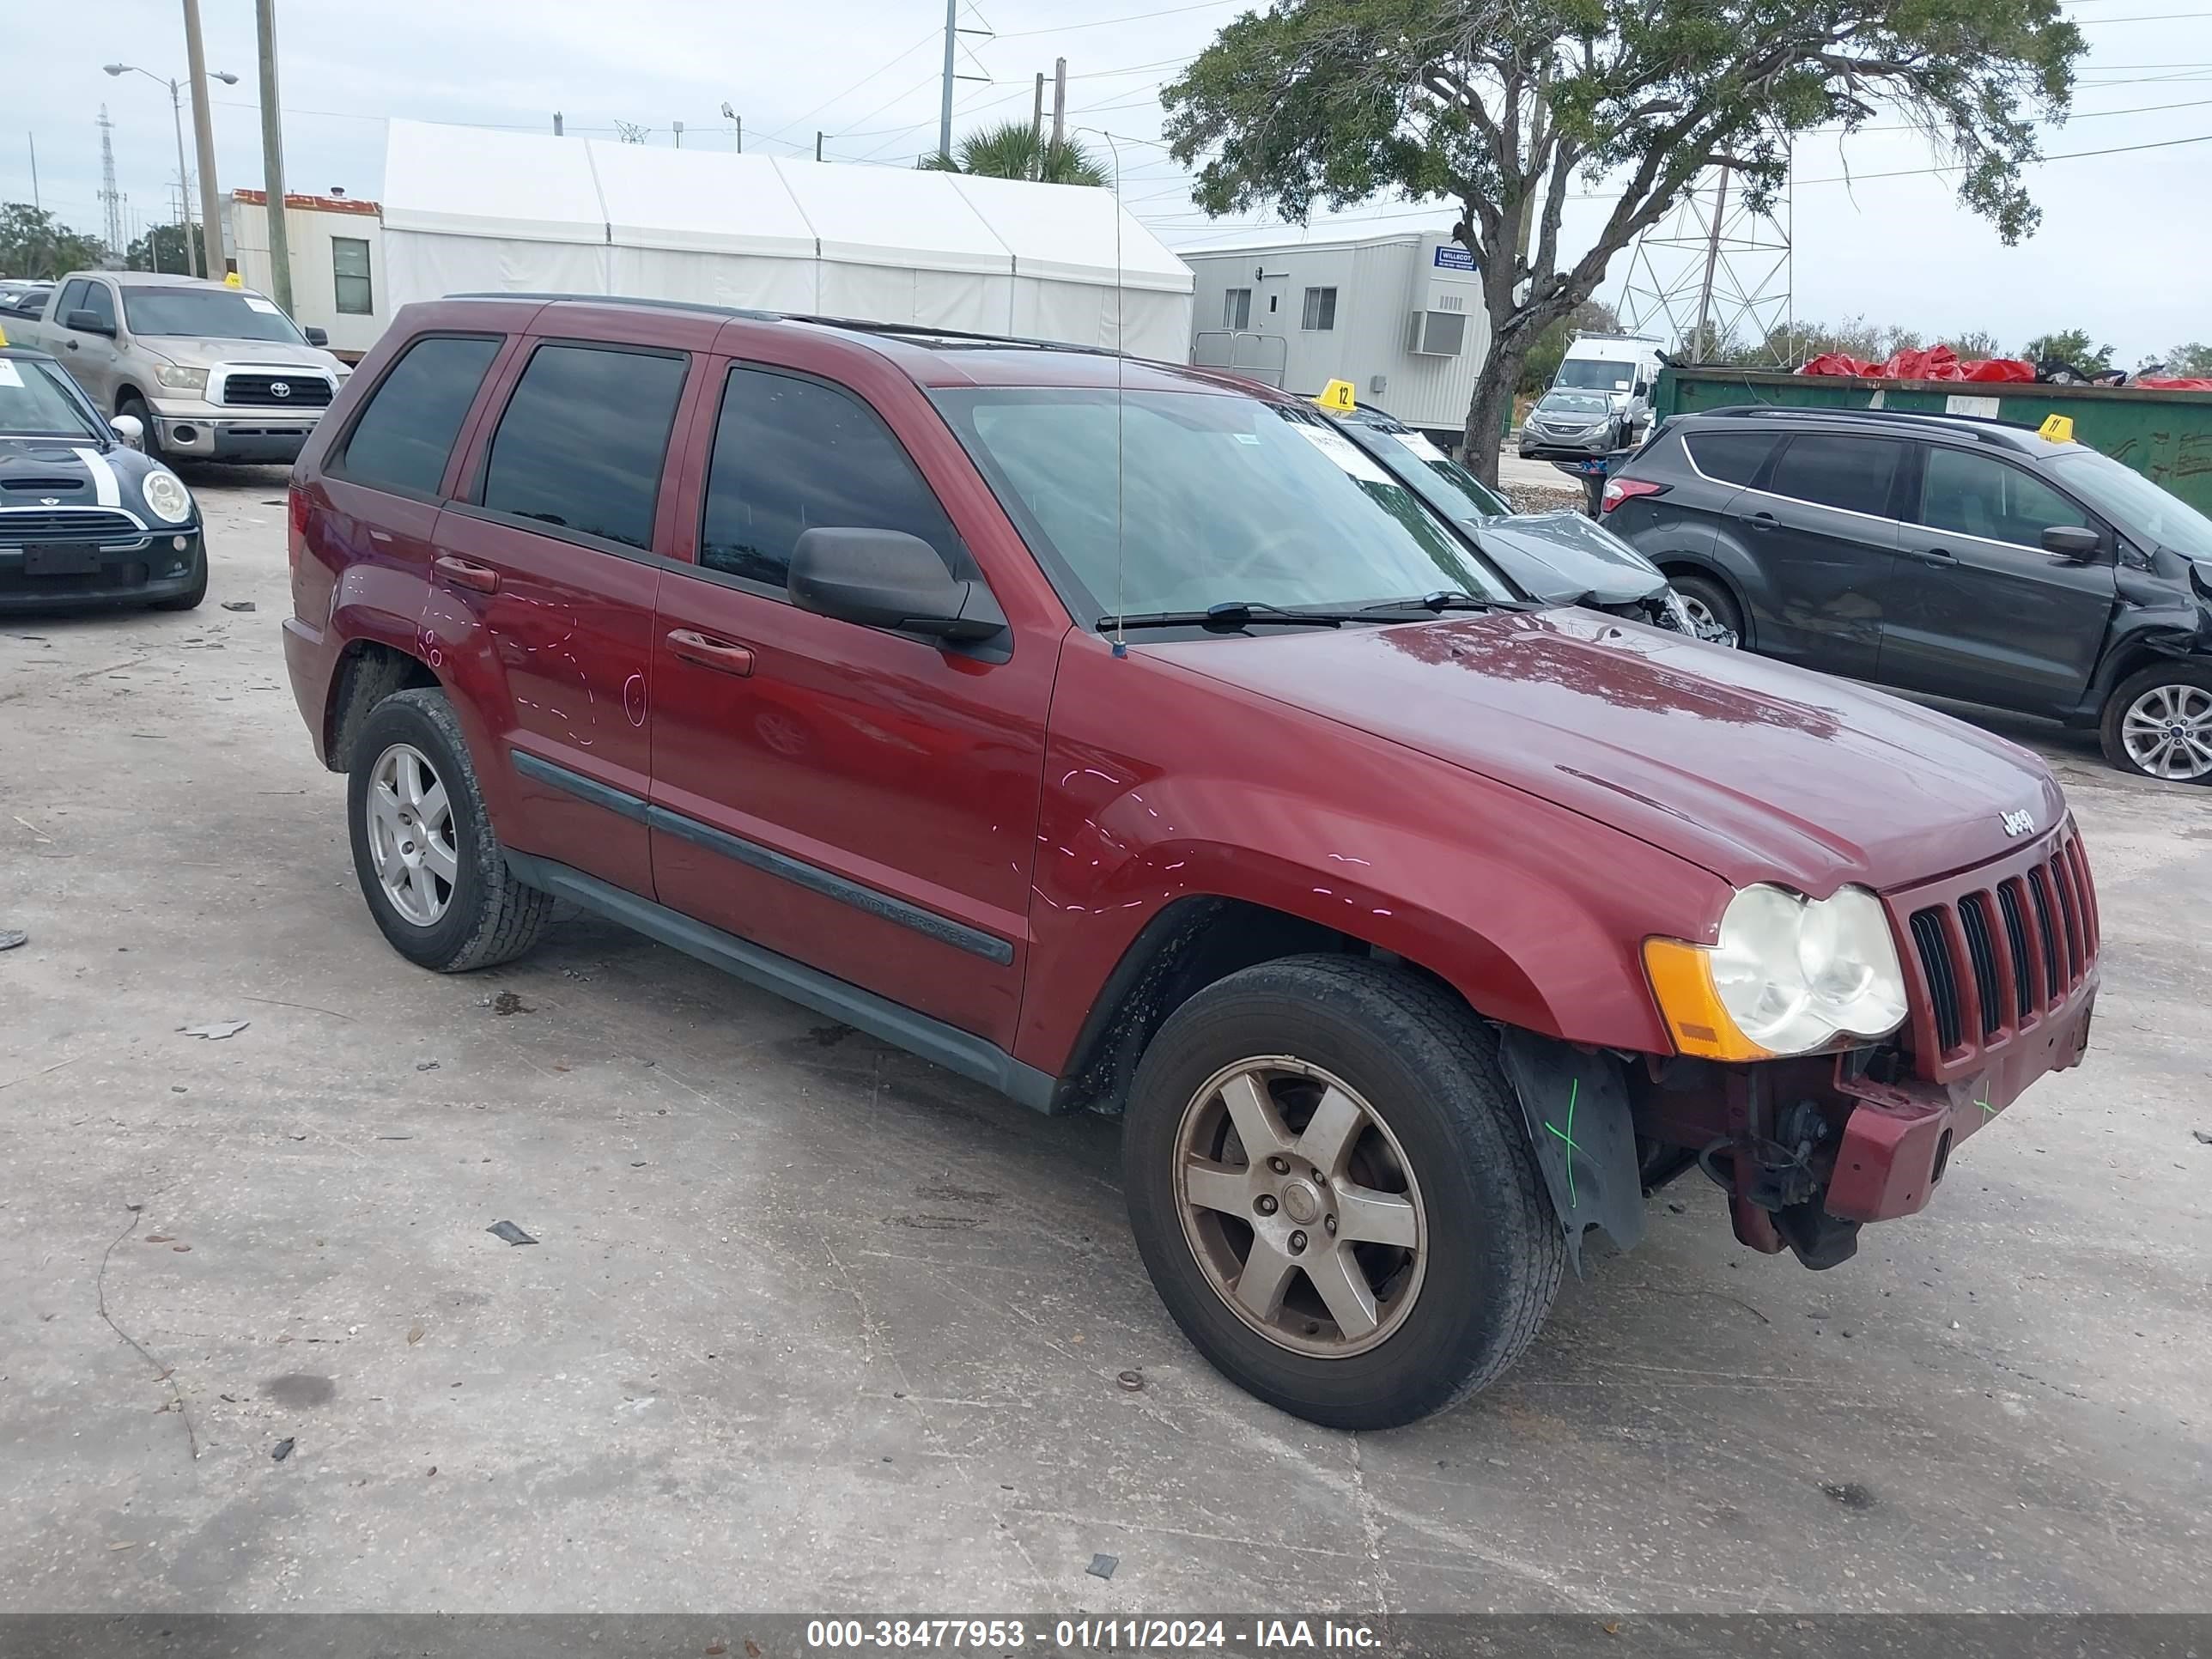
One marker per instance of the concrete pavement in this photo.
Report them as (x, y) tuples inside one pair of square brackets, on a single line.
[(812, 1324)]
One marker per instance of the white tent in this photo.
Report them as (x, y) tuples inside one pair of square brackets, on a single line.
[(469, 211)]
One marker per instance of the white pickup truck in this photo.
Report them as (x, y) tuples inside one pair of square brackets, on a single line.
[(212, 372)]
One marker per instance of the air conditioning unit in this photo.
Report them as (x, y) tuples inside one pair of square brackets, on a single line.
[(1436, 333)]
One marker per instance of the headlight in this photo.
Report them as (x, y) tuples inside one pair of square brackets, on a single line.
[(1789, 976), (167, 496), (181, 380)]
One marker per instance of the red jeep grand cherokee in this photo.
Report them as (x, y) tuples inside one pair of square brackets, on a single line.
[(1122, 737)]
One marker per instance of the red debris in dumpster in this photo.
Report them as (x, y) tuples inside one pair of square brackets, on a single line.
[(1936, 364)]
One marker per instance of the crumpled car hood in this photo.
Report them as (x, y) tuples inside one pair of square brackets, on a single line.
[(1752, 769)]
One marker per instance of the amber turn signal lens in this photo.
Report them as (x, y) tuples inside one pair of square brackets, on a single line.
[(1682, 981)]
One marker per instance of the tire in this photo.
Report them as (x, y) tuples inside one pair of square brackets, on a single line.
[(1451, 1315), (150, 445), (1713, 595), (2179, 690), (486, 916)]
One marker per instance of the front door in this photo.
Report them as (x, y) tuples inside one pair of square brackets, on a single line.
[(1820, 528), (1977, 609), (545, 578), (90, 358), (863, 801)]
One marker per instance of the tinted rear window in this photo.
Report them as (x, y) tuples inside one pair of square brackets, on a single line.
[(1732, 457), (403, 438), (1852, 473), (584, 439)]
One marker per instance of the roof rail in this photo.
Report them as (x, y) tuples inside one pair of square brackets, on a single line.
[(914, 333), (1989, 425)]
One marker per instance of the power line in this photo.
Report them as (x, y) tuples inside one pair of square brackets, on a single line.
[(1133, 17), (837, 97)]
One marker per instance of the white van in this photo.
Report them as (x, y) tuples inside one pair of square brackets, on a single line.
[(1599, 400)]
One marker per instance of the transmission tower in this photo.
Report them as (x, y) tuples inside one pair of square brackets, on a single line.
[(1713, 277), (111, 199)]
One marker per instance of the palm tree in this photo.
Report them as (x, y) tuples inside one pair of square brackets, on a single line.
[(1012, 149)]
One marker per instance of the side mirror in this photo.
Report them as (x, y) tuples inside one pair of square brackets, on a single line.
[(317, 337), (88, 322), (131, 429), (888, 579), (2072, 542)]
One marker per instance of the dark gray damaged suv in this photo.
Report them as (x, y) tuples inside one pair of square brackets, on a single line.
[(1962, 557)]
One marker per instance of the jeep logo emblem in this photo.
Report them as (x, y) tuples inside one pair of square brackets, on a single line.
[(2018, 823), (280, 388)]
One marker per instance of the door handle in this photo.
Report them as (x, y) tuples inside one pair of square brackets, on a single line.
[(696, 648), (1764, 521), (72, 345), (1936, 555), (466, 573)]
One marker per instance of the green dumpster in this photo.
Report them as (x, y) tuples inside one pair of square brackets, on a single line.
[(2165, 435)]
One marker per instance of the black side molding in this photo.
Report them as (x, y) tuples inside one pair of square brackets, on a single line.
[(812, 877), (895, 1023)]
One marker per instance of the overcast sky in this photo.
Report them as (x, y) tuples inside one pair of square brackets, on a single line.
[(2124, 251)]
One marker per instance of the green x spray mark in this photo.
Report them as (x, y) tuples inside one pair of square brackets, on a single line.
[(1988, 1111), (1567, 1134)]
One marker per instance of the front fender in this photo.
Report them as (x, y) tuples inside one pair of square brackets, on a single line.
[(1535, 913)]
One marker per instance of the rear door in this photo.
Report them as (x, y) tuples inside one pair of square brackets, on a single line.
[(1820, 531), (863, 801), (1977, 609), (545, 569)]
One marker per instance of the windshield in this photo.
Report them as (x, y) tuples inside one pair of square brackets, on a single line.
[(207, 314), (1595, 374), (1222, 499), (2133, 502), (1556, 402), (32, 402), (1443, 483)]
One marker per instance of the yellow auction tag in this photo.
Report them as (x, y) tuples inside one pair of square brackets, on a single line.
[(1337, 395), (4, 336), (2056, 428), (230, 279)]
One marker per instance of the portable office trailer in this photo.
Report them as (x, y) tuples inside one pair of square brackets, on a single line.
[(1398, 315)]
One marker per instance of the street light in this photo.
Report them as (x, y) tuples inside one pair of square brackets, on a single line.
[(177, 113)]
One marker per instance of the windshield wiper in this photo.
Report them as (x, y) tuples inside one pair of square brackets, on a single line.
[(1444, 599), (1229, 616)]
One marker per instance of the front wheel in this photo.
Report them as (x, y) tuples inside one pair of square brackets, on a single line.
[(150, 443), (2158, 723), (1333, 1189)]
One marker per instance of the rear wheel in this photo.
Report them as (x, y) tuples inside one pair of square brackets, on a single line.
[(2158, 723), (429, 863), (1333, 1190), (1709, 604)]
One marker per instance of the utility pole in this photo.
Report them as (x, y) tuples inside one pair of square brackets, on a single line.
[(556, 124), (37, 206), (1059, 102), (203, 137), (1703, 347), (737, 124), (944, 102), (272, 160), (111, 199), (679, 133), (817, 143), (1037, 129)]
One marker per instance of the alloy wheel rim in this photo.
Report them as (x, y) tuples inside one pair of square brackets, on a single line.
[(2167, 732), (410, 819), (1300, 1206), (1700, 613)]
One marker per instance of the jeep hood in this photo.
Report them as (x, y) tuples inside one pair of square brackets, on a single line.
[(198, 351), (1752, 769)]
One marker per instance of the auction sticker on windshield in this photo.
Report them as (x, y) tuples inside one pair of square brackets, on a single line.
[(9, 374), (1341, 450), (253, 302), (1419, 444)]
